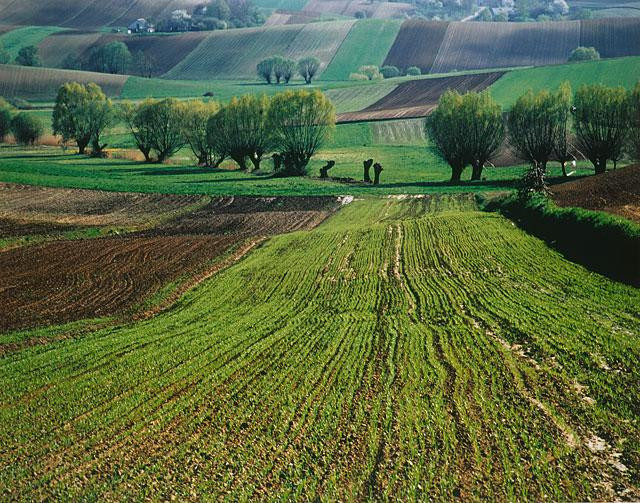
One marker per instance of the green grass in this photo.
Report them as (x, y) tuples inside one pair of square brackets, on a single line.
[(367, 43), (16, 39), (612, 72), (407, 169), (407, 350)]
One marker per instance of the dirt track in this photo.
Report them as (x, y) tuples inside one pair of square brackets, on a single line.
[(616, 192), (66, 280)]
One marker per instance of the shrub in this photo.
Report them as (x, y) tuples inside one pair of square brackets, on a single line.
[(26, 128), (603, 242), (111, 58), (300, 123), (5, 119), (414, 70), (388, 72), (372, 72), (28, 56), (358, 76), (584, 54)]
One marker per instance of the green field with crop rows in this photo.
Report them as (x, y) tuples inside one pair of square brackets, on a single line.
[(405, 349)]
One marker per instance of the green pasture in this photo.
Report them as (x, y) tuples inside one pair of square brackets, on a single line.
[(16, 39)]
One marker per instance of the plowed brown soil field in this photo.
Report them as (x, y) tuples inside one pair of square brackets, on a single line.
[(181, 238), (616, 192), (88, 208), (417, 98), (613, 38), (417, 44)]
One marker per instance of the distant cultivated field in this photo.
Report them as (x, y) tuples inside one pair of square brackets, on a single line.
[(472, 46), (235, 53), (367, 43), (43, 83), (56, 47), (14, 40), (91, 14), (417, 44), (615, 72), (354, 98), (407, 349), (416, 98), (612, 37)]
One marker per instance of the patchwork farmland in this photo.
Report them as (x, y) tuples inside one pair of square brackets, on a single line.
[(417, 98), (384, 304), (297, 371)]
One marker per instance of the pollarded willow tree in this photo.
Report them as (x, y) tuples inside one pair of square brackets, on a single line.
[(82, 113), (601, 116), (563, 148), (240, 130), (308, 68), (446, 127), (196, 117), (634, 133), (535, 123), (156, 126), (135, 117), (486, 129), (466, 129), (300, 123)]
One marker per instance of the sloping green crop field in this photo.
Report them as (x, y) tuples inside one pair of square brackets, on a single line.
[(611, 72), (406, 349), (367, 43), (16, 39)]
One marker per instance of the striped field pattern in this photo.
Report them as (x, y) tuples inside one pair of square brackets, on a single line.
[(405, 349)]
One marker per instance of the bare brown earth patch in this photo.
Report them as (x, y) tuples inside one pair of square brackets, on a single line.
[(616, 192), (173, 241), (417, 98)]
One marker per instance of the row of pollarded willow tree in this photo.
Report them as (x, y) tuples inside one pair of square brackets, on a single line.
[(292, 126), (599, 122)]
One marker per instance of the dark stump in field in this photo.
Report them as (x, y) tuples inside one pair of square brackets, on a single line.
[(377, 169), (367, 166), (325, 169)]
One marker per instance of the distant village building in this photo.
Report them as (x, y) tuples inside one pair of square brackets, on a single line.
[(140, 26)]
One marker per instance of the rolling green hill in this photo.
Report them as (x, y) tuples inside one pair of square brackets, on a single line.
[(367, 43), (612, 72)]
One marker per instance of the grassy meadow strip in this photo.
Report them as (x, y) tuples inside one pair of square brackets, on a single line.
[(407, 170), (406, 348)]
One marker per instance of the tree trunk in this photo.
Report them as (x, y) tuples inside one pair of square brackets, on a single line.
[(377, 169), (240, 160), (367, 166), (456, 173), (255, 160), (601, 166), (82, 146), (477, 172), (564, 168)]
